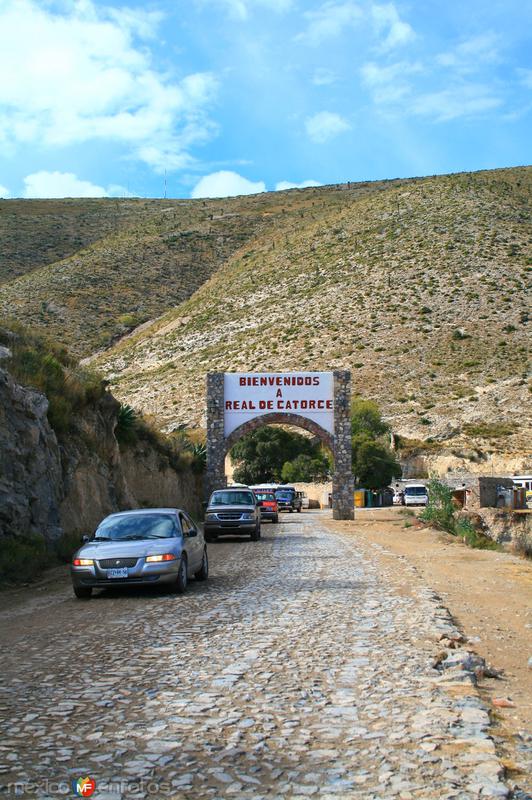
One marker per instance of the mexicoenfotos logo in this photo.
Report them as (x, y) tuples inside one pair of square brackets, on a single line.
[(84, 787)]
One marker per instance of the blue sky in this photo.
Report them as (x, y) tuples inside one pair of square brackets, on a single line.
[(237, 96)]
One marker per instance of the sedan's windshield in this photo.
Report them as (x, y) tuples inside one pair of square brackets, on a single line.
[(131, 527), (232, 499)]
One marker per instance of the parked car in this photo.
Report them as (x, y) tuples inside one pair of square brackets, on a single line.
[(287, 499), (305, 502), (268, 504), (143, 547), (234, 510), (416, 494)]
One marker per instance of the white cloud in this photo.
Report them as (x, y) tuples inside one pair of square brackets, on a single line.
[(325, 125), (388, 23), (333, 18), (471, 54), (282, 186), (4, 192), (525, 77), (324, 77), (67, 184), (390, 86), (463, 101), (226, 184), (241, 9), (388, 83), (82, 75), (329, 21), (60, 184)]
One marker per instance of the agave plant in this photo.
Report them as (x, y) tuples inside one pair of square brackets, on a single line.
[(199, 451), (125, 423)]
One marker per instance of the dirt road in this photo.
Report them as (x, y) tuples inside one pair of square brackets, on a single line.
[(302, 668), (489, 595)]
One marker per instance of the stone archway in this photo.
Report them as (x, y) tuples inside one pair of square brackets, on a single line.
[(339, 442)]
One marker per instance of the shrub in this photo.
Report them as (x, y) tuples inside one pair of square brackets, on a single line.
[(125, 424), (441, 513), (21, 559), (440, 510), (199, 451), (47, 367), (523, 543), (65, 547), (489, 430)]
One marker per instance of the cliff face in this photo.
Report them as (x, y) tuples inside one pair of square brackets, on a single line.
[(50, 488), (31, 481)]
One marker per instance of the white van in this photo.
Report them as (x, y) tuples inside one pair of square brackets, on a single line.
[(416, 494)]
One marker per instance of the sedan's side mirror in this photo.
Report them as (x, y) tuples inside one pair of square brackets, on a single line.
[(192, 532), (85, 539), (205, 505), (260, 503)]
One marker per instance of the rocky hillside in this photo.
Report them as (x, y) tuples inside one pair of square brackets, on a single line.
[(87, 272), (419, 287), (66, 459), (420, 290)]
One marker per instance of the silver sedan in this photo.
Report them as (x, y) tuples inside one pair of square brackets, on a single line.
[(148, 546)]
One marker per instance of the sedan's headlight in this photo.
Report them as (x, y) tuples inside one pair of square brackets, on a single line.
[(247, 516), (83, 562), (163, 557), (211, 516)]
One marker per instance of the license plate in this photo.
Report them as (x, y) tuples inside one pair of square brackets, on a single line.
[(117, 573)]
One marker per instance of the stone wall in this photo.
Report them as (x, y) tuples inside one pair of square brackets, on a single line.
[(315, 491)]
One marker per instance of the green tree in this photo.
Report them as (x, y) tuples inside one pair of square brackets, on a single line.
[(260, 455), (374, 463), (366, 418), (306, 468)]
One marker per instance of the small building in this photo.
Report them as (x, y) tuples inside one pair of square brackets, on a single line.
[(483, 491)]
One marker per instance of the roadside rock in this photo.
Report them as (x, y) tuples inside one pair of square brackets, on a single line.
[(50, 487), (31, 486)]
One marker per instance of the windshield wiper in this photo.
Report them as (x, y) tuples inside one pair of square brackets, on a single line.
[(101, 539)]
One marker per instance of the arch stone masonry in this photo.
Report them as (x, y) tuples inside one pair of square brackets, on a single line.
[(220, 437)]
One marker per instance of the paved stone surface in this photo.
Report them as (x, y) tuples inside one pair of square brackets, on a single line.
[(299, 670)]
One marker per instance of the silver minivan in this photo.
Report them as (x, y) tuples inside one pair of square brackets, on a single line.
[(144, 547)]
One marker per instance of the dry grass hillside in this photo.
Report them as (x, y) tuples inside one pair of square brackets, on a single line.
[(421, 290), (34, 233), (87, 272), (419, 287)]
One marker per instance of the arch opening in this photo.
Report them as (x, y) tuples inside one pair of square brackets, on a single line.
[(337, 439), (279, 419)]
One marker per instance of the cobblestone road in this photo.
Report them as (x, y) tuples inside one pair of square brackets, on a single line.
[(298, 670)]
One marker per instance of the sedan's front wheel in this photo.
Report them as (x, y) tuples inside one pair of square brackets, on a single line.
[(182, 576), (203, 573)]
